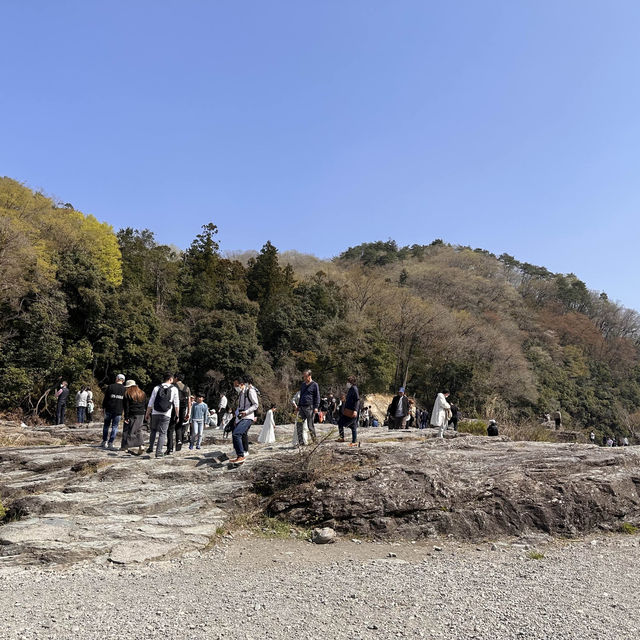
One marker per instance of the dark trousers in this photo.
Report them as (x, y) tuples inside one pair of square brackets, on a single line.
[(454, 422), (395, 423), (305, 413), (349, 423), (240, 436), (60, 409)]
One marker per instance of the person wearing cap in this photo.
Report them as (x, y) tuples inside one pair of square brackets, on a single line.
[(439, 415), (134, 404), (112, 405), (398, 410)]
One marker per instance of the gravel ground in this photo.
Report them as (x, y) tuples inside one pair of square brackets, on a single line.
[(255, 588)]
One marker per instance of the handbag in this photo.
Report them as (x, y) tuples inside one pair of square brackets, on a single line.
[(349, 413)]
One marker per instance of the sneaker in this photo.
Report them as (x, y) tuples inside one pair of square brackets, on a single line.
[(246, 453), (168, 452), (340, 440), (238, 460), (150, 450), (159, 455), (354, 444), (191, 447), (198, 447), (112, 448), (103, 445)]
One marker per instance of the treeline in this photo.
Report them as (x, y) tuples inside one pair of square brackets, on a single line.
[(509, 339)]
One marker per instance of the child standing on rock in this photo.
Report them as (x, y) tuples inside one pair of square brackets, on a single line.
[(199, 417)]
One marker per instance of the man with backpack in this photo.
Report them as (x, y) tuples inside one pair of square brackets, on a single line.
[(163, 401), (178, 421)]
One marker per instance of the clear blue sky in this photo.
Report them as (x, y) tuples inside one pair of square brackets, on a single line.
[(510, 125)]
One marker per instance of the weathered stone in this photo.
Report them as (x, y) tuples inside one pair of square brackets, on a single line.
[(471, 488), (323, 535)]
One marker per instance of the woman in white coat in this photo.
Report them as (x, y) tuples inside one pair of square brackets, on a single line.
[(439, 417), (268, 434)]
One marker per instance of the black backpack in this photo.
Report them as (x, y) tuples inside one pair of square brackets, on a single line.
[(162, 402)]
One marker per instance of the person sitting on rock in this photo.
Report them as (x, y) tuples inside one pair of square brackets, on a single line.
[(492, 429)]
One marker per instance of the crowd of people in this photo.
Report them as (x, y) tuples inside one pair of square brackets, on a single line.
[(175, 417)]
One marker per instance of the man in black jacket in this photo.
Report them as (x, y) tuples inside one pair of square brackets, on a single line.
[(177, 424), (307, 406), (112, 405), (349, 415), (398, 410)]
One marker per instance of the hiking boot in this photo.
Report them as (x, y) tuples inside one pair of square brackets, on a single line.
[(340, 440), (238, 460)]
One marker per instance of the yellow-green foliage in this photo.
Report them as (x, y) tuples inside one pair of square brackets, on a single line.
[(34, 231), (628, 528), (3, 511), (476, 427)]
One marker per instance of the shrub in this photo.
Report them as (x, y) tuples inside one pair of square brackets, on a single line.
[(628, 528)]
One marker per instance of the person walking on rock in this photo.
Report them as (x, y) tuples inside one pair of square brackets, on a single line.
[(62, 394), (439, 416), (163, 401), (308, 405), (112, 405), (268, 434), (135, 405), (398, 410), (349, 415), (81, 405), (245, 417), (177, 422), (199, 417), (90, 404)]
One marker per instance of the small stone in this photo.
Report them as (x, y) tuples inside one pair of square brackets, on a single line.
[(323, 536), (392, 555), (435, 548)]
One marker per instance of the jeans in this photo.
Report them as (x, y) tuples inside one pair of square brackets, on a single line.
[(110, 420), (159, 425), (350, 423), (60, 409), (81, 414), (239, 435), (197, 427), (305, 413)]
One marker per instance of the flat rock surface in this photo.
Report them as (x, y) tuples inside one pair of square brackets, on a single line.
[(255, 589)]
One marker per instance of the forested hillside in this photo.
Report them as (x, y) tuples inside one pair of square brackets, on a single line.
[(81, 302)]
